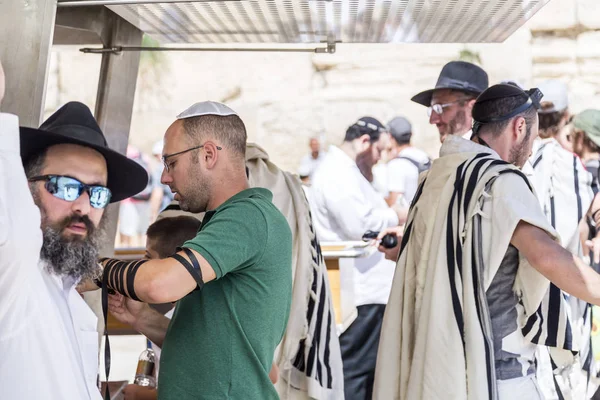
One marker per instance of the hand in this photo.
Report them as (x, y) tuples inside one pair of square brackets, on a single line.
[(86, 285), (2, 83), (126, 310), (136, 392), (594, 246), (393, 253)]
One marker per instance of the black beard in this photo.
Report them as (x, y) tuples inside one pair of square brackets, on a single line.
[(72, 257)]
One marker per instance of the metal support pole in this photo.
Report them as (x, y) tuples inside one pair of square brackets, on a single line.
[(26, 29), (114, 107)]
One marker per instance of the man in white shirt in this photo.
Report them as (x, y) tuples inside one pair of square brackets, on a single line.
[(449, 104), (406, 163), (345, 205), (311, 161), (48, 334)]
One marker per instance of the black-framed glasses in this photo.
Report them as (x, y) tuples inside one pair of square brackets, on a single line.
[(167, 156), (69, 189)]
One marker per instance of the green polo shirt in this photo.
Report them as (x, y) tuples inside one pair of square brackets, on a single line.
[(221, 340)]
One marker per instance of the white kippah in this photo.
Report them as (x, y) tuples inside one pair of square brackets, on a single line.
[(206, 108)]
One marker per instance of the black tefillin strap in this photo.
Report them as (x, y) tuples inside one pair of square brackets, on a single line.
[(113, 279), (193, 268)]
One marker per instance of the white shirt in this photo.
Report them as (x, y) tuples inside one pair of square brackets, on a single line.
[(48, 334), (344, 206), (309, 165), (403, 175)]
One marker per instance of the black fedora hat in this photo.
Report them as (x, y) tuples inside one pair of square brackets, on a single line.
[(457, 75), (74, 123)]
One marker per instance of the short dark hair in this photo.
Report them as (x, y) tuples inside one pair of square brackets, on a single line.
[(500, 107), (35, 164), (550, 122), (229, 130), (170, 233)]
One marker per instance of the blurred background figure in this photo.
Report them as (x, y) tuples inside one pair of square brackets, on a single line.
[(161, 194), (311, 161), (134, 214)]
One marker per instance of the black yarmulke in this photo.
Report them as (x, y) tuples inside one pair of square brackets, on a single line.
[(496, 92)]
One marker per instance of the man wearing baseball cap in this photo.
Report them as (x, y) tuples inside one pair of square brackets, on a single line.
[(406, 163), (469, 300), (554, 113), (232, 282), (56, 183), (450, 102)]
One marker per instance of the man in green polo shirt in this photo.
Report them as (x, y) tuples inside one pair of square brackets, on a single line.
[(232, 282)]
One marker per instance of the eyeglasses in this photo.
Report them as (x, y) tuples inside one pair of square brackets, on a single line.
[(168, 166), (439, 108), (69, 189)]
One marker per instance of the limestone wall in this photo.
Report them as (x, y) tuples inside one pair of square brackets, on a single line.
[(285, 98)]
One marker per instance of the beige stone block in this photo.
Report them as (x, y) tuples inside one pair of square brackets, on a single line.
[(555, 15), (588, 45), (553, 50), (564, 70), (588, 12)]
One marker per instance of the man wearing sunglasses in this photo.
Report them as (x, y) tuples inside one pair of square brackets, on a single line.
[(56, 182), (450, 103)]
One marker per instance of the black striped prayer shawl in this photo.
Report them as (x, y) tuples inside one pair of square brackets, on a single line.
[(565, 193), (436, 339)]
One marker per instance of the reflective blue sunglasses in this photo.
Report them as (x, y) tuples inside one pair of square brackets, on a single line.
[(69, 189)]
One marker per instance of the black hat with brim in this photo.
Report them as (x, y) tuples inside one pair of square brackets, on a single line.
[(74, 124), (456, 75)]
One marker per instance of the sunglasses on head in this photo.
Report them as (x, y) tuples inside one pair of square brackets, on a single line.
[(69, 189)]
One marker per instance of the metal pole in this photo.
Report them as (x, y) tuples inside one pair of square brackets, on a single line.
[(26, 29), (119, 49), (83, 3)]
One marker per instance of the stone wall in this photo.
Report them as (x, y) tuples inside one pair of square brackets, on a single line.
[(286, 98)]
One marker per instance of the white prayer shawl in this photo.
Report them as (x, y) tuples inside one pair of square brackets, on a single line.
[(309, 356), (565, 194), (436, 340)]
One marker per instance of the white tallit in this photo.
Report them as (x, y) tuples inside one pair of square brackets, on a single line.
[(436, 336), (308, 357), (565, 194)]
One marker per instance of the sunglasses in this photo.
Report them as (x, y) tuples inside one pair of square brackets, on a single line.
[(69, 189)]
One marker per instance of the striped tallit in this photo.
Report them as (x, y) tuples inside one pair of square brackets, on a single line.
[(308, 357), (436, 340), (565, 193)]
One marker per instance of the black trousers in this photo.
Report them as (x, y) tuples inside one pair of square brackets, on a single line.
[(359, 345)]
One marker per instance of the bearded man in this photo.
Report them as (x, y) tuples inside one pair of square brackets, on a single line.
[(56, 183)]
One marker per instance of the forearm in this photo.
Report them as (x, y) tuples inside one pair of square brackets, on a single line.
[(153, 325), (571, 275)]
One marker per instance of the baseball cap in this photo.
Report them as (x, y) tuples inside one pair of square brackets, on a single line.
[(556, 96), (589, 122), (400, 129)]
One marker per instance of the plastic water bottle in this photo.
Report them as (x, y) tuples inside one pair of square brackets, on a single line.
[(144, 375)]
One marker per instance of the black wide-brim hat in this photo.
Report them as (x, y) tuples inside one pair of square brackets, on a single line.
[(456, 75), (74, 123)]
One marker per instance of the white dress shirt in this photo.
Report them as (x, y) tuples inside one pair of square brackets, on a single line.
[(344, 206), (48, 334)]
